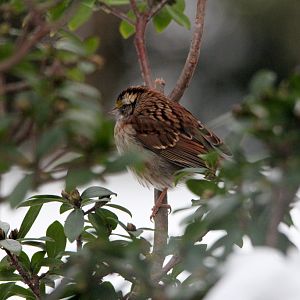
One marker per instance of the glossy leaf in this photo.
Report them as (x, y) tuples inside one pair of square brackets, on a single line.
[(96, 191), (28, 220), (56, 232)]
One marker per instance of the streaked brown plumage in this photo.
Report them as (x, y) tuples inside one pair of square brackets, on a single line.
[(170, 136)]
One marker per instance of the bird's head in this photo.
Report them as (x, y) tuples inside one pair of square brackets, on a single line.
[(128, 100)]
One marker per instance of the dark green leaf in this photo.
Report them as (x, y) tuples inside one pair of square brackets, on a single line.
[(56, 232), (41, 199), (162, 20), (65, 207), (36, 261), (96, 191), (24, 260), (28, 220), (202, 188), (119, 207), (74, 224)]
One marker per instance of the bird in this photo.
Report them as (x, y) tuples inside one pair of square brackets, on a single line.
[(170, 137)]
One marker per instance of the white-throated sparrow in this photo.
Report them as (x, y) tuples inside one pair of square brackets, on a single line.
[(168, 134)]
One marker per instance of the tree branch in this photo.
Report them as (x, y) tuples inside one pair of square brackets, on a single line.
[(119, 14), (139, 41), (193, 56), (31, 281)]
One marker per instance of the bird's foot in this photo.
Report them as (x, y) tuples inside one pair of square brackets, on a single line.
[(156, 208)]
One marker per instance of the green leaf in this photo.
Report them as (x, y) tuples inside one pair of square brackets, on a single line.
[(91, 44), (5, 289), (36, 261), (5, 227), (83, 13), (11, 245), (178, 16), (19, 192), (28, 220), (41, 199), (96, 191), (161, 20), (65, 207), (57, 11), (20, 291), (74, 224), (126, 29), (56, 232), (202, 188), (24, 260), (119, 207)]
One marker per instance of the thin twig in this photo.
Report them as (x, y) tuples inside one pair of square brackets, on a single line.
[(32, 282), (119, 14), (193, 56), (156, 8)]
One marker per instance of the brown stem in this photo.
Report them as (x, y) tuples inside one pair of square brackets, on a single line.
[(193, 56), (79, 243), (31, 281), (141, 50), (119, 14)]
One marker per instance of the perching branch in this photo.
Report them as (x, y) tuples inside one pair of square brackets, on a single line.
[(193, 56)]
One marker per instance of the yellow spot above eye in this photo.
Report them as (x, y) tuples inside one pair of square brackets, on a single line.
[(119, 103)]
